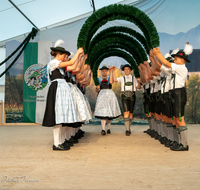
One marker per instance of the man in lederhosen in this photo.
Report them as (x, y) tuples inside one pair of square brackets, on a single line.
[(129, 84)]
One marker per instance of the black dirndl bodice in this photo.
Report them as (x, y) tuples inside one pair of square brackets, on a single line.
[(105, 85)]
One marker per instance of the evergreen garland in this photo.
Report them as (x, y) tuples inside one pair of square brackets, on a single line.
[(120, 39), (117, 12), (119, 29), (123, 46), (114, 52)]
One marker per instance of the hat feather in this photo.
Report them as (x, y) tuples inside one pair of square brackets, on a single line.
[(175, 51), (188, 49), (58, 43), (167, 55), (71, 54)]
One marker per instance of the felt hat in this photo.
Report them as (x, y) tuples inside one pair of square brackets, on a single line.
[(184, 54), (127, 65), (58, 48), (104, 67)]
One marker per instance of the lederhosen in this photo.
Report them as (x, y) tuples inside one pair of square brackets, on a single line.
[(179, 96), (158, 109), (146, 100), (128, 97), (162, 101), (153, 100), (167, 101)]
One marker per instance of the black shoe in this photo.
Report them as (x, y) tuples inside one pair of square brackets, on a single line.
[(180, 148), (73, 140), (157, 136), (127, 133), (81, 131), (174, 144), (108, 131), (60, 147), (162, 140), (147, 131), (153, 135), (78, 136), (68, 143), (103, 132), (169, 143)]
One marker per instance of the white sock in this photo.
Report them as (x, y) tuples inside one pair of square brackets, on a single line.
[(63, 135), (72, 131), (108, 124), (103, 124), (68, 131), (57, 134), (76, 130)]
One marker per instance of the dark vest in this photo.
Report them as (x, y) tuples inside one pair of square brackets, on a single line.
[(56, 75), (70, 78)]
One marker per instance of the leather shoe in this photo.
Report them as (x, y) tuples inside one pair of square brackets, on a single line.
[(108, 131), (60, 147), (180, 147), (127, 133), (73, 140), (103, 132)]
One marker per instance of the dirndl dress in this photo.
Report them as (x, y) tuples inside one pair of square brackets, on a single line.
[(60, 107), (107, 106), (83, 90), (83, 113)]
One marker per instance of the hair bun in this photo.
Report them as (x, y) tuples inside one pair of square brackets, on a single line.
[(53, 53)]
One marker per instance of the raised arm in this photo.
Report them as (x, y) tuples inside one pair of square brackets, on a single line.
[(80, 67), (72, 61), (158, 54), (139, 84)]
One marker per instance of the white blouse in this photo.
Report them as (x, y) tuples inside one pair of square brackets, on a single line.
[(51, 66)]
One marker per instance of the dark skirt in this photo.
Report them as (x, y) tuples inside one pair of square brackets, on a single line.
[(49, 115)]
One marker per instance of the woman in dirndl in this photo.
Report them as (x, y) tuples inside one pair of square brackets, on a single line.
[(107, 106), (60, 107)]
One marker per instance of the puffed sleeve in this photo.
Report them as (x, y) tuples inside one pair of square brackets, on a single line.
[(54, 64)]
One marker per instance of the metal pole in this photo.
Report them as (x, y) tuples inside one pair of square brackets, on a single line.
[(23, 14), (93, 6)]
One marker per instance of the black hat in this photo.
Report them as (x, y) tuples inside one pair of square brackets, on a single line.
[(127, 65), (104, 67), (60, 49), (182, 55)]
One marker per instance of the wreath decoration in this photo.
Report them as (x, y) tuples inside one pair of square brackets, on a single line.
[(117, 12), (118, 40), (115, 52)]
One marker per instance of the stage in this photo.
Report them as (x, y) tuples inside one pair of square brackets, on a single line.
[(114, 161)]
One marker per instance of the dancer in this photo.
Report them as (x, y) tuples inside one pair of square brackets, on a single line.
[(83, 113), (60, 107), (107, 106), (129, 84), (179, 93)]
